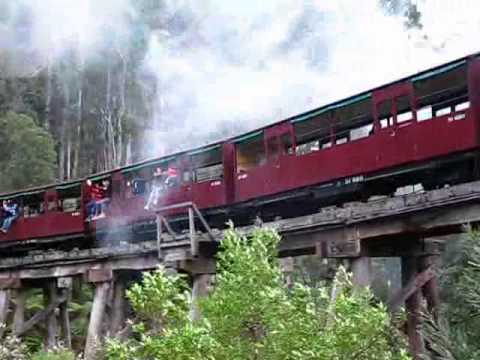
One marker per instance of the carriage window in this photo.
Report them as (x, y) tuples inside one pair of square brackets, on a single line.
[(33, 205), (353, 121), (424, 113), (207, 165), (442, 92), (341, 141), (250, 153), (361, 132), (443, 111), (308, 147), (136, 182), (404, 111), (385, 113), (69, 199), (167, 171), (463, 106), (310, 134)]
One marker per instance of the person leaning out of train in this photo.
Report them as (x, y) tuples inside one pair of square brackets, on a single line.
[(158, 186), (103, 200), (92, 203), (11, 212), (98, 200)]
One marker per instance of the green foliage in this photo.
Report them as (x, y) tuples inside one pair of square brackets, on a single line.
[(456, 335), (28, 155), (251, 315), (161, 300), (11, 348), (57, 354)]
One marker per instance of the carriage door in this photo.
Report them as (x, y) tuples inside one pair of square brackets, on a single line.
[(474, 90), (394, 114), (118, 188), (279, 145), (185, 174), (51, 198), (228, 159)]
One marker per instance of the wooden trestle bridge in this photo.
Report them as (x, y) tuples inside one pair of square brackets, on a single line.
[(406, 226)]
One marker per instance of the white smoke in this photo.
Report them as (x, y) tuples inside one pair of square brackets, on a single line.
[(37, 32), (240, 65)]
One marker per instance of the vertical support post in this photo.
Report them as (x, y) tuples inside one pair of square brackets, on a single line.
[(118, 308), (50, 294), (96, 318), (361, 268), (4, 300), (200, 286), (287, 266), (193, 233), (159, 235), (412, 307), (430, 289), (65, 287), (65, 319), (19, 314)]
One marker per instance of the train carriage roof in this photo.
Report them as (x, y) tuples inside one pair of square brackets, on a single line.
[(246, 136)]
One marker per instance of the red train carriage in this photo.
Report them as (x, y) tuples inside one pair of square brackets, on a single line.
[(47, 212), (424, 128)]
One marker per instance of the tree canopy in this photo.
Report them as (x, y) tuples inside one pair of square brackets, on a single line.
[(250, 314), (27, 157)]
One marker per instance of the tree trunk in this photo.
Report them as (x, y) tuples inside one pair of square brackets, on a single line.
[(63, 148), (79, 119), (121, 113), (78, 130), (48, 95)]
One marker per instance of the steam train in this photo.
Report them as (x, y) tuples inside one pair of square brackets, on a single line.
[(421, 129)]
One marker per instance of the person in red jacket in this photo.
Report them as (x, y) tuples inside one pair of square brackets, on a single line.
[(102, 198), (96, 194), (172, 177)]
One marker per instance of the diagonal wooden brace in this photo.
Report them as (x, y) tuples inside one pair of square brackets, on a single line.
[(40, 315), (412, 286)]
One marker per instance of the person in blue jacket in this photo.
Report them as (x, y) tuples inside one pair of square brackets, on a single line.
[(10, 211)]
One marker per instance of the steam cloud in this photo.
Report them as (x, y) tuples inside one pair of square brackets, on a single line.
[(37, 32), (224, 67), (240, 65)]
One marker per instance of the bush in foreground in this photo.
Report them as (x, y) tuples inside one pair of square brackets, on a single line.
[(251, 315)]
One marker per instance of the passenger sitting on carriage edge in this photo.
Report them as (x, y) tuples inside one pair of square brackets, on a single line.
[(92, 204), (103, 200), (10, 210), (3, 214), (95, 193), (158, 185)]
